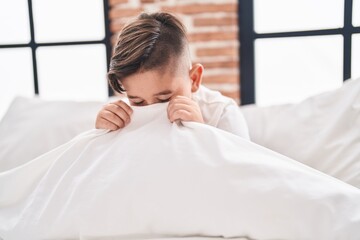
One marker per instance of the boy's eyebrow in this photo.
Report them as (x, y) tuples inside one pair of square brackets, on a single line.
[(132, 96), (165, 92)]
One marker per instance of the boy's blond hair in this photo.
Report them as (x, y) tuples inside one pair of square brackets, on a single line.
[(147, 43)]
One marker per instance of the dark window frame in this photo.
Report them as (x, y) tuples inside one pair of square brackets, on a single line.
[(247, 37), (34, 45)]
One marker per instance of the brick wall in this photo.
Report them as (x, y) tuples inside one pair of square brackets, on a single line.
[(212, 31)]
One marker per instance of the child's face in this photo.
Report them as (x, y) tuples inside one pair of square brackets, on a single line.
[(155, 86)]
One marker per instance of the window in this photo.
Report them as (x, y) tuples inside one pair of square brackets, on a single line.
[(57, 49), (292, 49)]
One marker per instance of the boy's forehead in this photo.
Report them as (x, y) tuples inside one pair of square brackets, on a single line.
[(171, 76), (153, 81)]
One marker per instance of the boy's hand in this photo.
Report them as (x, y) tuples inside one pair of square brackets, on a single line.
[(185, 109), (113, 116)]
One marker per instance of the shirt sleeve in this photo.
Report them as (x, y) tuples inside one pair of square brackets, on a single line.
[(232, 120)]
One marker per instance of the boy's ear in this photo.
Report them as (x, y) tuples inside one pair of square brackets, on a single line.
[(195, 74)]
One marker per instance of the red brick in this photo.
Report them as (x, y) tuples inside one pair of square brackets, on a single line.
[(124, 12), (231, 94), (224, 51), (201, 8), (116, 26), (115, 2), (209, 36), (224, 78), (114, 38), (221, 64), (224, 21)]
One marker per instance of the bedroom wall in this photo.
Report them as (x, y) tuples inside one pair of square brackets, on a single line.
[(212, 30)]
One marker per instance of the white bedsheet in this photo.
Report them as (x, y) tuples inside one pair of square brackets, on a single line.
[(166, 238), (154, 178)]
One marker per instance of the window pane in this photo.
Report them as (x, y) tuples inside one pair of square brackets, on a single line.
[(291, 69), (14, 22), (297, 15), (356, 13), (68, 20), (355, 61), (16, 75), (72, 72)]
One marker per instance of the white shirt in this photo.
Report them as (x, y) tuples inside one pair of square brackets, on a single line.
[(221, 112)]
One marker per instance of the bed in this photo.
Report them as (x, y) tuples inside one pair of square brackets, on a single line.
[(302, 173)]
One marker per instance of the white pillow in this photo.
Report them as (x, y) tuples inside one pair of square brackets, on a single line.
[(322, 131), (33, 126)]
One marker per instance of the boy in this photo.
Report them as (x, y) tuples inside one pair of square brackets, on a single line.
[(151, 62)]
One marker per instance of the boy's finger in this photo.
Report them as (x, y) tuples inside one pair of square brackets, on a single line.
[(113, 118), (184, 103), (102, 123), (119, 111), (181, 100), (124, 106), (177, 106), (180, 115)]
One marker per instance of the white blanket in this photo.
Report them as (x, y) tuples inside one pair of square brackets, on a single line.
[(157, 179)]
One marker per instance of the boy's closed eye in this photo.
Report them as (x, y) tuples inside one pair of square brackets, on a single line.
[(160, 99), (164, 98), (139, 103)]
